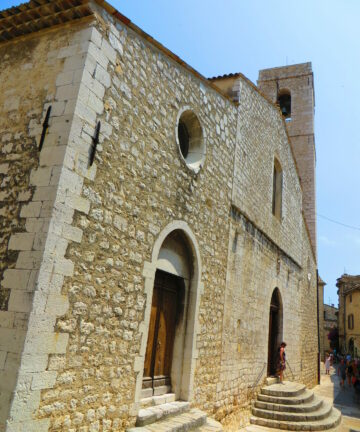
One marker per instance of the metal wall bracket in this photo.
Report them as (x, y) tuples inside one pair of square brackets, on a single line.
[(45, 128), (95, 141)]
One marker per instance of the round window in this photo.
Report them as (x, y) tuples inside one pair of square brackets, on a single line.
[(190, 139)]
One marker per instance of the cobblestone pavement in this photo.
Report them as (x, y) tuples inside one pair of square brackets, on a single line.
[(343, 399)]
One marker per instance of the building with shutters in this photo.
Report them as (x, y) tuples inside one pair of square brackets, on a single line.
[(349, 314)]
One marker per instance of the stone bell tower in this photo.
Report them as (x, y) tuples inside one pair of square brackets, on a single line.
[(292, 87)]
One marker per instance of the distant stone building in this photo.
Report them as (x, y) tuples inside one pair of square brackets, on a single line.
[(158, 228), (349, 314), (328, 320), (321, 286), (330, 323)]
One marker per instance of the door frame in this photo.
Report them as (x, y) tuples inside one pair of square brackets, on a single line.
[(183, 389), (279, 332)]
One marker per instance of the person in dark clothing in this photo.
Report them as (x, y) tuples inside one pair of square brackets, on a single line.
[(349, 372), (342, 372)]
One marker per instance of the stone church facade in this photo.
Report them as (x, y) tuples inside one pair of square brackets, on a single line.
[(158, 230)]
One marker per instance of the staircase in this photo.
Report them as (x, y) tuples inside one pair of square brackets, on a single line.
[(163, 413), (291, 406)]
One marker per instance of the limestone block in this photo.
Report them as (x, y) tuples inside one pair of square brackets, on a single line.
[(29, 260), (95, 103), (17, 279), (7, 319), (40, 322), (102, 76), (70, 106), (74, 62), (93, 85), (98, 54), (31, 209), (11, 340), (57, 304), (63, 213), (85, 112), (21, 241), (34, 363), (40, 176), (72, 233), (108, 50), (46, 343), (57, 108), (20, 301), (66, 92), (42, 425), (43, 380), (52, 156), (67, 51), (24, 404), (7, 381), (115, 43), (64, 267), (3, 355)]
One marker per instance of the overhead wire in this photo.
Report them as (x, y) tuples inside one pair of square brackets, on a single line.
[(338, 223)]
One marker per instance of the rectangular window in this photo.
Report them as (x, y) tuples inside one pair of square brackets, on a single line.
[(350, 322), (277, 190)]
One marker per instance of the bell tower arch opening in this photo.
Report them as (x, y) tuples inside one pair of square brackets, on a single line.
[(275, 331), (284, 102)]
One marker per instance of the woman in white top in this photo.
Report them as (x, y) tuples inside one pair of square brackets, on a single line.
[(327, 364)]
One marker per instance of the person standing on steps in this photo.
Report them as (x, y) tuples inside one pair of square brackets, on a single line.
[(281, 361)]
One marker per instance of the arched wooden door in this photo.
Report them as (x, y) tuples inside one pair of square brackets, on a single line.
[(165, 310), (275, 323)]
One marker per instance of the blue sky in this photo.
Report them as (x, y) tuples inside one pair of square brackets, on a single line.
[(217, 37)]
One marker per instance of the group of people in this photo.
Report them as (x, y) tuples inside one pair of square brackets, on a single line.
[(348, 370)]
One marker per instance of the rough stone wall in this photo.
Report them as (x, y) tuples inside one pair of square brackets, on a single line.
[(91, 230), (141, 185), (298, 79), (321, 285), (27, 84), (256, 267), (308, 328), (264, 254), (261, 139)]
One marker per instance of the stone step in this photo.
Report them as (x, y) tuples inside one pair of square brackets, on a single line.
[(190, 420), (211, 425), (287, 389), (155, 413), (272, 380), (330, 422), (313, 405), (256, 428), (305, 397), (157, 400), (319, 414)]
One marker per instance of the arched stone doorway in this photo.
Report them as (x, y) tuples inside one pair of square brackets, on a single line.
[(275, 330), (172, 283)]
